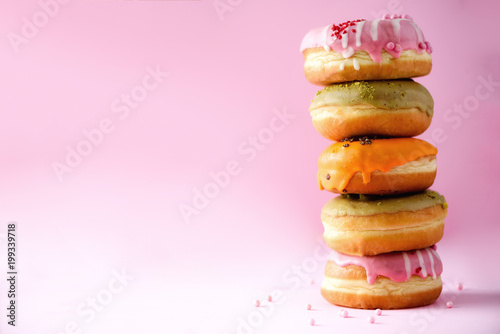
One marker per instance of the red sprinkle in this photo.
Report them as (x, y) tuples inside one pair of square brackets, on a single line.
[(353, 30), (340, 29), (418, 270)]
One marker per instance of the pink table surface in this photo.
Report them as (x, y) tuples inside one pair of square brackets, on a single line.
[(103, 246)]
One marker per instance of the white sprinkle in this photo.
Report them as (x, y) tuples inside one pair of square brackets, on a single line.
[(435, 254), (396, 25), (355, 63), (432, 263), (407, 265), (347, 52), (374, 30), (344, 40), (342, 65), (359, 28), (422, 264)]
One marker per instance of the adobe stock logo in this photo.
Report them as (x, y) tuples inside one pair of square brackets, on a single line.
[(463, 110), (225, 6), (97, 303), (31, 26), (120, 109), (247, 151), (297, 276)]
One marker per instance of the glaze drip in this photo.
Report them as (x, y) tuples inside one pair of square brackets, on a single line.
[(397, 266), (370, 36)]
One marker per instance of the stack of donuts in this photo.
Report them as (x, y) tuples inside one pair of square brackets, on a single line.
[(384, 225)]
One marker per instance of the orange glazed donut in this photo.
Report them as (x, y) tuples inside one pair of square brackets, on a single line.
[(386, 281), (371, 225), (392, 108), (389, 48), (377, 166)]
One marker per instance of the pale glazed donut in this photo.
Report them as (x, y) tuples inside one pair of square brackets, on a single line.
[(377, 166), (386, 281), (370, 225), (392, 108), (389, 48)]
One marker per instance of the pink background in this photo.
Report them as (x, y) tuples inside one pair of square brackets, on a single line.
[(119, 208)]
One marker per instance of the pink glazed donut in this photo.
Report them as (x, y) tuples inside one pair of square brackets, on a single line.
[(387, 281), (392, 47)]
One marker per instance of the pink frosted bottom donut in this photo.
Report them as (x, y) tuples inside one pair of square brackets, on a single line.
[(414, 280)]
